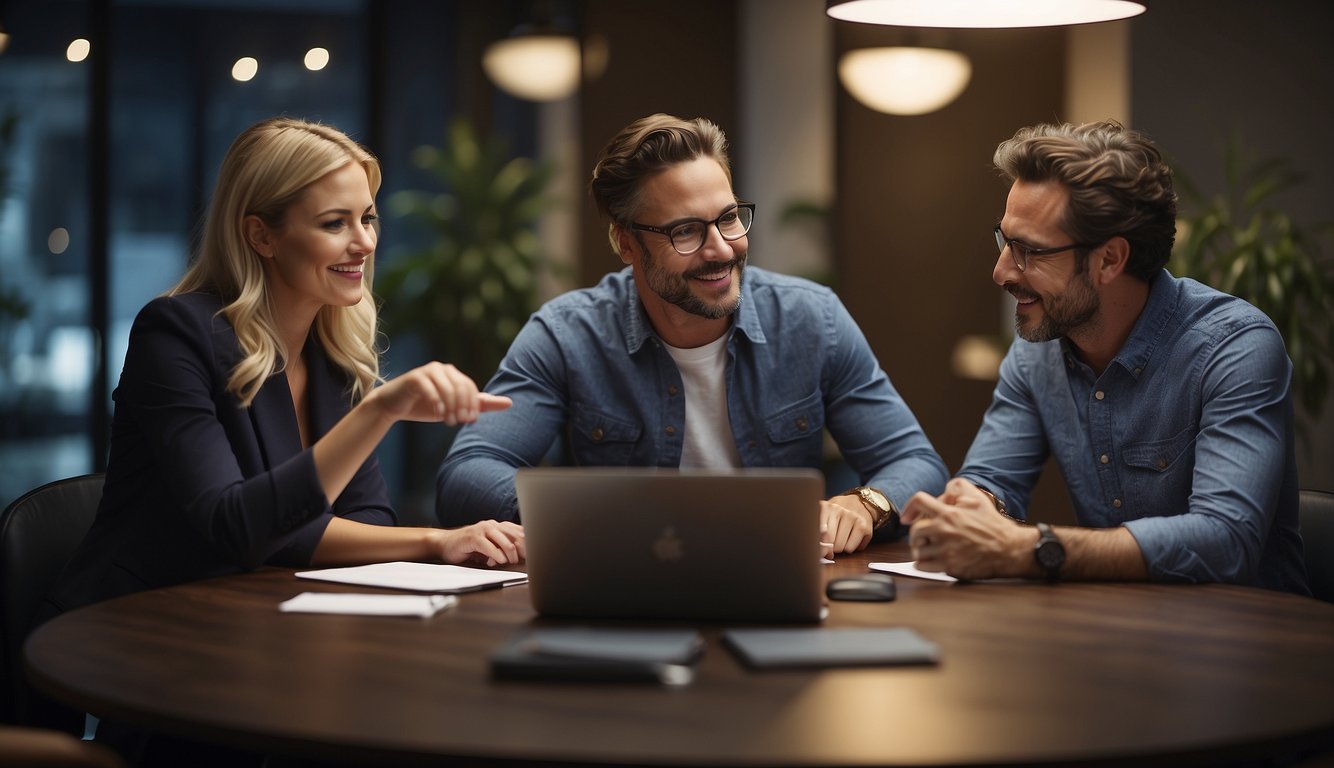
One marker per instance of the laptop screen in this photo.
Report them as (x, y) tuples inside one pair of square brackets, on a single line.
[(738, 545)]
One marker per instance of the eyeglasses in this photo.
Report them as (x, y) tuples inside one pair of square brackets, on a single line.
[(1022, 252), (688, 236)]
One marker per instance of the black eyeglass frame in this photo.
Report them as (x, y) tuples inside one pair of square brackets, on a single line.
[(741, 204), (1019, 246)]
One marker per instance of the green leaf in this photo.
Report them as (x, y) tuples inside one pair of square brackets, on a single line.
[(1241, 241), (468, 293)]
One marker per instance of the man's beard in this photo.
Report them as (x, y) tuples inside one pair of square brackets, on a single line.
[(675, 289), (1062, 315)]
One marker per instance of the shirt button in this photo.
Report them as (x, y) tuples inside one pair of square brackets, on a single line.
[(596, 434), (752, 444), (672, 390), (671, 430), (1162, 463), (1099, 394), (1103, 458), (1116, 503), (1138, 371), (802, 424)]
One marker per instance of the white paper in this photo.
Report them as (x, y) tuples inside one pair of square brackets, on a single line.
[(368, 605), (418, 577), (911, 569)]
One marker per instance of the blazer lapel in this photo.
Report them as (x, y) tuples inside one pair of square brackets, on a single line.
[(326, 389), (274, 421)]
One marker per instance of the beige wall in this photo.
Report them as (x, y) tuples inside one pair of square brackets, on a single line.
[(785, 151)]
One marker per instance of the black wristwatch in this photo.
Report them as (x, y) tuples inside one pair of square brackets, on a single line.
[(1049, 552)]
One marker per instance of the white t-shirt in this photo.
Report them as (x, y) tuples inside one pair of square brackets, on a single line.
[(708, 438)]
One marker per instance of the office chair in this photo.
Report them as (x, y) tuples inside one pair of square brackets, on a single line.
[(41, 747), (38, 534), (1316, 512)]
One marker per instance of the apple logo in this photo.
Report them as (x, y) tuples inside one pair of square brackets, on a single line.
[(668, 546)]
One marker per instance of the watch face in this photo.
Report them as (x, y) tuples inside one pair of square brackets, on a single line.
[(877, 498), (1051, 554)]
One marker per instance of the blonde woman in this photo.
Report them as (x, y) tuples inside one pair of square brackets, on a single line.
[(250, 402)]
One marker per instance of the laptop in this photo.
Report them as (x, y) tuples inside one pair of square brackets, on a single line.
[(646, 543)]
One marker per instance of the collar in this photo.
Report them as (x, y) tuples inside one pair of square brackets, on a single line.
[(638, 328), (1159, 315)]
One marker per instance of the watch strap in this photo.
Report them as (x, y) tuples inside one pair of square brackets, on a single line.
[(1049, 542), (879, 517)]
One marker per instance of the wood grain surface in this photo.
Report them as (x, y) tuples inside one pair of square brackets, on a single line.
[(1029, 673)]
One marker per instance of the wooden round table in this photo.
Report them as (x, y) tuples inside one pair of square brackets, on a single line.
[(1029, 673)]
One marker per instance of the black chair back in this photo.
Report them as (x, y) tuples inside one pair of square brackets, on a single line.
[(1316, 512), (39, 532)]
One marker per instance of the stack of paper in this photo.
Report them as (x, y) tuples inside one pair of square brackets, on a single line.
[(419, 577), (368, 605)]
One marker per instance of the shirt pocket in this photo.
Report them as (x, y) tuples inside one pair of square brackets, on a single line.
[(1160, 474), (599, 438), (796, 432)]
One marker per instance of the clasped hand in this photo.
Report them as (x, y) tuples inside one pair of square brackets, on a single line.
[(961, 533)]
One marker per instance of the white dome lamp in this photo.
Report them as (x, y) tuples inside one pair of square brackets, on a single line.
[(535, 63), (983, 14), (904, 80)]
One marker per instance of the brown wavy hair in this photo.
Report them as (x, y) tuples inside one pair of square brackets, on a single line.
[(643, 148), (1119, 184)]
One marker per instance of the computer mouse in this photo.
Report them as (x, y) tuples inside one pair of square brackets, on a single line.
[(871, 587)]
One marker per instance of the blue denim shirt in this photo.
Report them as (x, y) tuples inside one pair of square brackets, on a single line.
[(588, 367), (1186, 438)]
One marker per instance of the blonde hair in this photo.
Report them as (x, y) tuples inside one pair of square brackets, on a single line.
[(267, 169)]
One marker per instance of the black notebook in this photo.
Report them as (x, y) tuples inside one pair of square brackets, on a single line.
[(821, 647), (600, 655)]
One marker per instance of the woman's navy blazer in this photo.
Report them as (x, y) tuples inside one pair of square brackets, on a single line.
[(197, 485)]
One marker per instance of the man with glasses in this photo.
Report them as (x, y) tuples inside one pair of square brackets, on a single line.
[(1165, 403), (689, 358)]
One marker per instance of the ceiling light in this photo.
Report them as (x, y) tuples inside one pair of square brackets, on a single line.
[(904, 81), (57, 242), (976, 14), (245, 69), (534, 65), (316, 59), (78, 50)]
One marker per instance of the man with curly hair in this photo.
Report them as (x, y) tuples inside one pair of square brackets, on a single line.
[(1166, 404)]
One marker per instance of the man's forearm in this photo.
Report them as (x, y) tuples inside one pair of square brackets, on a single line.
[(1100, 554)]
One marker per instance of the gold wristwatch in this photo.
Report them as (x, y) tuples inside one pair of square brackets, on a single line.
[(878, 504)]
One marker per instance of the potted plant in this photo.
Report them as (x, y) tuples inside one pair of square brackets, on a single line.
[(1241, 242), (468, 291)]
